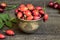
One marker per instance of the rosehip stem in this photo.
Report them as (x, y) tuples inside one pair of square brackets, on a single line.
[(44, 7)]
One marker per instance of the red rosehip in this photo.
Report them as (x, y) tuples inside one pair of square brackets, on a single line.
[(39, 8), (3, 5), (51, 4), (27, 13), (16, 10), (22, 5), (1, 10), (45, 18), (22, 18), (19, 15), (29, 18), (36, 17), (56, 5), (24, 8), (2, 36), (30, 6), (41, 12), (59, 7), (35, 12), (10, 32)]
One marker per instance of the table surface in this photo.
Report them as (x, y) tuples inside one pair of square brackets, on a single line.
[(49, 30)]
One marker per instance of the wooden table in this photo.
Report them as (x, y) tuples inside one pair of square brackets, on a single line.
[(47, 31)]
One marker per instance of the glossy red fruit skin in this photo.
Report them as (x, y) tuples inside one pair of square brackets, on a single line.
[(10, 32), (59, 7), (3, 5), (50, 4), (24, 8), (1, 10), (19, 15), (22, 18), (56, 5), (29, 18), (36, 17), (30, 6), (45, 18), (22, 5), (39, 8), (35, 12), (27, 13), (16, 11), (2, 36), (41, 12)]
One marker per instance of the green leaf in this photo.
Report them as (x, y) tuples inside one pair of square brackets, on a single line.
[(1, 23), (2, 16), (14, 20), (11, 7), (7, 17), (8, 23)]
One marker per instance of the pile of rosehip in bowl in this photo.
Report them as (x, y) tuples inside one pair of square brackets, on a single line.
[(30, 12), (55, 5), (2, 7)]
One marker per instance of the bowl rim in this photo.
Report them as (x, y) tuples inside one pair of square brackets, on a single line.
[(31, 20)]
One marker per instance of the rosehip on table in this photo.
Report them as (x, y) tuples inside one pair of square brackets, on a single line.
[(56, 5), (2, 36), (19, 15), (45, 18), (35, 12), (10, 32), (51, 4), (3, 5), (1, 10), (30, 6), (59, 6)]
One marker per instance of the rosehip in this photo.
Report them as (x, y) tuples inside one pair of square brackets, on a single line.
[(16, 10), (22, 5), (3, 5), (39, 8), (36, 17), (29, 17), (27, 13), (51, 4), (59, 7), (45, 17), (2, 36), (30, 6), (56, 5), (10, 32), (35, 12), (41, 12), (23, 8), (22, 18), (1, 10), (19, 15)]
